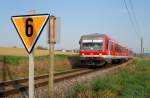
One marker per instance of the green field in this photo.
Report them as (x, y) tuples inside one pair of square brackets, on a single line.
[(16, 60), (131, 82)]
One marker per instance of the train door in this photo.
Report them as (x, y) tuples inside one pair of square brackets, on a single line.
[(109, 47), (109, 60)]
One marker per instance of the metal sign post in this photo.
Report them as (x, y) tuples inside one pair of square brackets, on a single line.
[(31, 70), (31, 75)]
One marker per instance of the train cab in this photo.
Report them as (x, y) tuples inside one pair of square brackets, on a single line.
[(92, 48)]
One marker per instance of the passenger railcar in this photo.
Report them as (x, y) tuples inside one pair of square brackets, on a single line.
[(98, 49)]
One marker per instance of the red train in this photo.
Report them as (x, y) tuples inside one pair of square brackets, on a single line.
[(98, 49)]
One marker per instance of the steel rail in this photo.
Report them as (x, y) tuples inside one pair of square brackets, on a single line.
[(20, 85)]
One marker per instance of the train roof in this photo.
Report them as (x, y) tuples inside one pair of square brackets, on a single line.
[(93, 36)]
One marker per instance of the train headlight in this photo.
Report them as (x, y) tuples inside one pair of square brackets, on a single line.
[(82, 54), (100, 54)]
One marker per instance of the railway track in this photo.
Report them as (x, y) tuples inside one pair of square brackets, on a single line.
[(21, 85)]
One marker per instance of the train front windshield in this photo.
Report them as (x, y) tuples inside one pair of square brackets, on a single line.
[(92, 46)]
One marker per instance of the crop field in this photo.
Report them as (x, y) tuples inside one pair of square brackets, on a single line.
[(131, 82), (14, 63), (20, 52), (23, 52)]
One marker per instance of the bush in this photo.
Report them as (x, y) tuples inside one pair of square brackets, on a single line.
[(11, 59)]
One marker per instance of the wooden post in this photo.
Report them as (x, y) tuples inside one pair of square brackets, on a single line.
[(51, 42), (51, 70), (50, 79)]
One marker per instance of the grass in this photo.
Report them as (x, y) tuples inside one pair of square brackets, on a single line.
[(132, 82), (55, 56), (17, 59), (17, 66)]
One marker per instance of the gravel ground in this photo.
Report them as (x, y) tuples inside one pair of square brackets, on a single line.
[(62, 88)]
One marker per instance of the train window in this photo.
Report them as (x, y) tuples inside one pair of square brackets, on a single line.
[(98, 46), (87, 46), (92, 46)]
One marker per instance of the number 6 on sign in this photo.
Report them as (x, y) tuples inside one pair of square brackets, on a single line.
[(29, 28)]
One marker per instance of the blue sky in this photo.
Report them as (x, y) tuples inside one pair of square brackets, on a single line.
[(79, 17)]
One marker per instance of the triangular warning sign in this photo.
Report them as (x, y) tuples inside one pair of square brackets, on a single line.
[(29, 28)]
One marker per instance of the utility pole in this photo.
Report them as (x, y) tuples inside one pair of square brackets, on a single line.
[(141, 46), (143, 51)]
